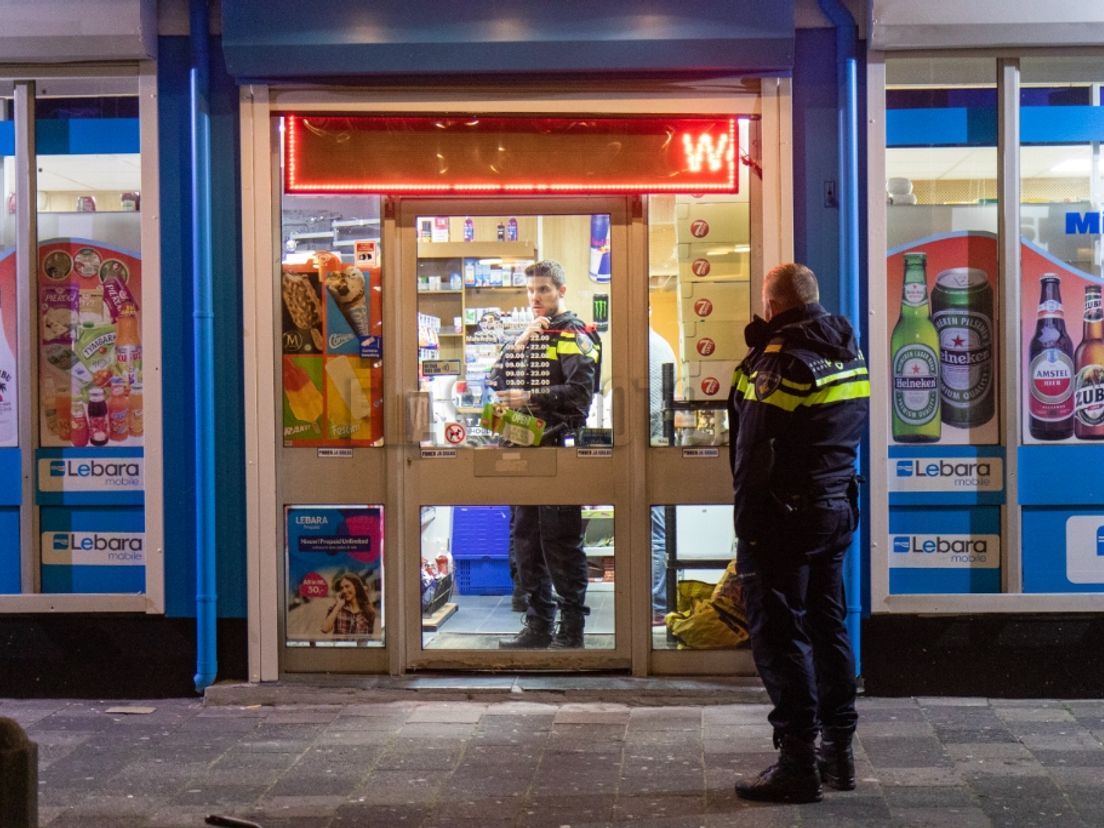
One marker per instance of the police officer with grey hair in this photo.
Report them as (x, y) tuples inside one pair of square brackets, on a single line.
[(797, 410)]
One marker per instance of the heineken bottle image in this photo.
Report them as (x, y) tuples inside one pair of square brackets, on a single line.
[(1050, 370), (962, 312), (914, 360), (1088, 385)]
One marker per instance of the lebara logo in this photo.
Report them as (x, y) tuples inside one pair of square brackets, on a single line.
[(904, 468), (61, 542), (901, 544), (57, 468)]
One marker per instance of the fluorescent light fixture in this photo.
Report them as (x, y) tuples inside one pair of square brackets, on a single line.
[(1073, 166)]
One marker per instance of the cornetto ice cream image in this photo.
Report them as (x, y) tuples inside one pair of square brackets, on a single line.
[(346, 286)]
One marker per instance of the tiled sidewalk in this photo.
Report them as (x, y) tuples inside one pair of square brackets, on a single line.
[(440, 764)]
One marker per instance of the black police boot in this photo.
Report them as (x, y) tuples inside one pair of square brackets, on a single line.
[(569, 633), (519, 601), (836, 761), (534, 635), (793, 778)]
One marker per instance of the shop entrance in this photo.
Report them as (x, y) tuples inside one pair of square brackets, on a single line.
[(516, 437)]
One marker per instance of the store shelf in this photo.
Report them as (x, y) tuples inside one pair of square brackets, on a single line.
[(476, 250)]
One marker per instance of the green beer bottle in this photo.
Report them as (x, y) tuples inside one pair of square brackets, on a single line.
[(914, 357)]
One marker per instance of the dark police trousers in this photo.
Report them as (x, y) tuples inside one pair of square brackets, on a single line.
[(793, 595), (548, 548)]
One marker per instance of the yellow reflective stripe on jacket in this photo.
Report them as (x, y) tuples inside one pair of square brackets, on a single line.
[(859, 371), (780, 398), (570, 346)]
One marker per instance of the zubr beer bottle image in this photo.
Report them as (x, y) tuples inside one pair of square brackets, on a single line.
[(1050, 370), (962, 312), (1088, 387), (914, 356)]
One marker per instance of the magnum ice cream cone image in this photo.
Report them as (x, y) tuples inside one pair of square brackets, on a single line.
[(346, 286)]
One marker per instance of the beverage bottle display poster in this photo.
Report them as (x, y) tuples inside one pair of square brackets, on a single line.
[(89, 334), (332, 396), (9, 406), (1063, 350), (335, 582), (943, 311)]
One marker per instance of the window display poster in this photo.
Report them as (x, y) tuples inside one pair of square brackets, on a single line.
[(1063, 550), (335, 583), (1062, 340), (89, 332), (330, 312), (9, 407), (944, 551), (944, 316)]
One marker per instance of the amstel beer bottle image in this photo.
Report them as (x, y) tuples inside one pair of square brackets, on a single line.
[(914, 357), (1088, 387), (1050, 372)]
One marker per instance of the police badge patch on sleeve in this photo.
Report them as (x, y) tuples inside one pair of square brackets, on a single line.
[(766, 383), (585, 343)]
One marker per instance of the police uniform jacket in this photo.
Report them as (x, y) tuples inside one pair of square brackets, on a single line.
[(558, 367), (797, 409)]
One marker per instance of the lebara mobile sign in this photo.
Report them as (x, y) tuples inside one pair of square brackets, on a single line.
[(1085, 549), (90, 474), (946, 474)]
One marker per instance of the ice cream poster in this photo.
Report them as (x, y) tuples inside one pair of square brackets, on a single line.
[(90, 344), (332, 396), (335, 584)]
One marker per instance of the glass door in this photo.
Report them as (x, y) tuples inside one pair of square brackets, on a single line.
[(516, 481)]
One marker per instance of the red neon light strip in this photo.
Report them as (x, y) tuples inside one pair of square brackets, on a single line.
[(293, 184)]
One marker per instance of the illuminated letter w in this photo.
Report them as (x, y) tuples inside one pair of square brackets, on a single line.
[(704, 150)]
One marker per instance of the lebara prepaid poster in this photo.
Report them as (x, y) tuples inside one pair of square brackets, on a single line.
[(332, 378), (944, 316), (9, 407), (335, 578)]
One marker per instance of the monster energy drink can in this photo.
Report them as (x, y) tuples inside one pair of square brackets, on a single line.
[(601, 311), (962, 312)]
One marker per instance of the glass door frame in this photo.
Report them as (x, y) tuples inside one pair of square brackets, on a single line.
[(467, 479)]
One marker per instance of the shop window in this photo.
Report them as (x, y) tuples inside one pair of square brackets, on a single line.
[(696, 601), (471, 591), (330, 284), (476, 340), (946, 480), (91, 295), (1061, 325)]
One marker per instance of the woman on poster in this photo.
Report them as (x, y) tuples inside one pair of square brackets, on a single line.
[(352, 612)]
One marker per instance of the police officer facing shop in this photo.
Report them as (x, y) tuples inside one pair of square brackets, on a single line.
[(797, 410), (549, 371)]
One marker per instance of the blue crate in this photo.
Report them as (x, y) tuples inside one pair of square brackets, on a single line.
[(480, 532), (484, 576)]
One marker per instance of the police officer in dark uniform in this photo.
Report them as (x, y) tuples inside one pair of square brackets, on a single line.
[(549, 371), (797, 410)]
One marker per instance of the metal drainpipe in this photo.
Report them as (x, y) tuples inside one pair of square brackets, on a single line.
[(847, 108), (203, 351)]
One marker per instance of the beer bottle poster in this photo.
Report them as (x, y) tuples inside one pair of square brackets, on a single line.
[(944, 383), (332, 396), (90, 352), (1062, 351), (335, 578)]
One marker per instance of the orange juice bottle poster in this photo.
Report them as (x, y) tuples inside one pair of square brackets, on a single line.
[(84, 288)]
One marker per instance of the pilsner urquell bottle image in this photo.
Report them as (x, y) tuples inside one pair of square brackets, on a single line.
[(1050, 373), (1088, 387), (914, 357)]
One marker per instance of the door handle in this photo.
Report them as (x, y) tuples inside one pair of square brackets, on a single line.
[(419, 425)]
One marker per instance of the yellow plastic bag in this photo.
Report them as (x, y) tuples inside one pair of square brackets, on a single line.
[(697, 624), (728, 601)]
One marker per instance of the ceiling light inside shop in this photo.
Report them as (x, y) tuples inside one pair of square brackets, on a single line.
[(1072, 166)]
